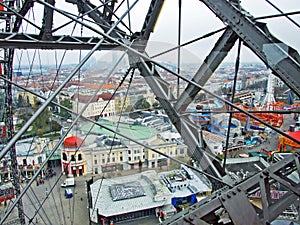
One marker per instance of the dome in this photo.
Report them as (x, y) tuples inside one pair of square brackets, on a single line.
[(73, 142)]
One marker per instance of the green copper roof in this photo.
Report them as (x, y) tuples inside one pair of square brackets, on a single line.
[(56, 155), (135, 132)]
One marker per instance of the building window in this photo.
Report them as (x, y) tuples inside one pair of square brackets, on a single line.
[(121, 159), (65, 157), (181, 151), (108, 160), (129, 152), (103, 160), (79, 157), (95, 161), (113, 159), (153, 156), (72, 157), (96, 170), (129, 158)]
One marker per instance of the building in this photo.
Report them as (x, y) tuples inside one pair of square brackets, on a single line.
[(286, 144), (27, 97), (128, 197), (186, 186), (73, 161), (168, 143), (100, 105), (105, 155), (121, 103), (31, 154), (144, 194), (106, 152)]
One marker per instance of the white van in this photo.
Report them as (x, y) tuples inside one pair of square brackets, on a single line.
[(68, 182)]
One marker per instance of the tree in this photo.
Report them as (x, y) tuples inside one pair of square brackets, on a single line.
[(156, 105), (41, 123), (142, 104), (68, 104), (20, 102), (28, 101), (140, 166), (129, 108)]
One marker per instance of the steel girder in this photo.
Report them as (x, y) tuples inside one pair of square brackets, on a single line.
[(210, 64), (232, 206), (190, 132), (151, 19), (102, 19), (33, 41), (46, 31), (282, 59)]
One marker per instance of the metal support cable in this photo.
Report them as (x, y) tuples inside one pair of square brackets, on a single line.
[(129, 19), (179, 45), (80, 17), (36, 209), (279, 10), (277, 15), (40, 110), (134, 51), (189, 42), (61, 62), (31, 120), (19, 15), (118, 123), (237, 64), (124, 136)]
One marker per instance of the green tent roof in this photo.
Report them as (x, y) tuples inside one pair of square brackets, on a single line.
[(135, 132)]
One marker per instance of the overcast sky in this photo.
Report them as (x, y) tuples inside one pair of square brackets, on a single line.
[(197, 20)]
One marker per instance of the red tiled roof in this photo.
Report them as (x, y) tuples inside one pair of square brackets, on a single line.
[(86, 98), (73, 142)]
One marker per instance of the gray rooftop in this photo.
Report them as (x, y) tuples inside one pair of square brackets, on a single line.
[(184, 182), (156, 194)]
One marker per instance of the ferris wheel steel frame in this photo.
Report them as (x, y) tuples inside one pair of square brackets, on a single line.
[(280, 58)]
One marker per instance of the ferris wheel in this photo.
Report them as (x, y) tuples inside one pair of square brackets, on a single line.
[(155, 40)]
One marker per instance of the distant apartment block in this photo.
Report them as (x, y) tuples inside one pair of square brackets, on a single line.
[(101, 105)]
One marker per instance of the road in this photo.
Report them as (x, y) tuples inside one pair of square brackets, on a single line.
[(47, 204)]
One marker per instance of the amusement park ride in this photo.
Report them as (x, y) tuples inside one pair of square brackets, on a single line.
[(229, 202)]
